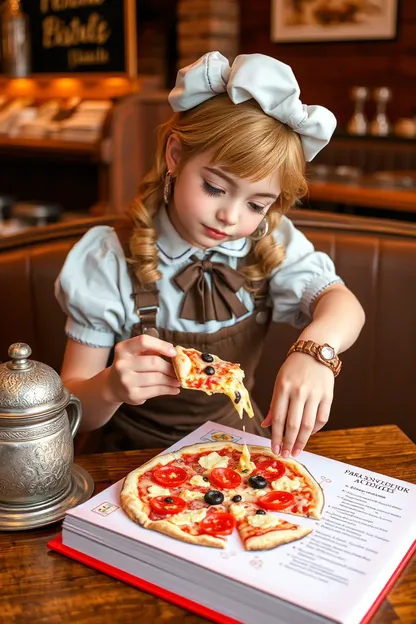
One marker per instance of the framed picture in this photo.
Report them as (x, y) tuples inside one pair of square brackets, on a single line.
[(333, 20)]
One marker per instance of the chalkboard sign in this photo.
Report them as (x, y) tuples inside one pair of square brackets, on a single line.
[(82, 36)]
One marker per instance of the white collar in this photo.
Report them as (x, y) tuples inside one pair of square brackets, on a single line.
[(174, 250)]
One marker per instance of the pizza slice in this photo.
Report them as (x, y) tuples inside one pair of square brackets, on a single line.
[(285, 485), (167, 496), (261, 530), (204, 371)]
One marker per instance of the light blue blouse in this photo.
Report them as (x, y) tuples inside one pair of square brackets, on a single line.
[(94, 287)]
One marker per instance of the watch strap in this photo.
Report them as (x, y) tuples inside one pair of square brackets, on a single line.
[(315, 350)]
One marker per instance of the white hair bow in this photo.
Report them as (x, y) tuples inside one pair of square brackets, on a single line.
[(255, 76)]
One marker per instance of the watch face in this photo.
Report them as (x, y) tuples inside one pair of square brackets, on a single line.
[(327, 352)]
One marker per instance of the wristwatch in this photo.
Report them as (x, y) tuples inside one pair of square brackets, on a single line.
[(323, 353)]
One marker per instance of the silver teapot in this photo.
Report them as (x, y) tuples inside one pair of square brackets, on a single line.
[(38, 421)]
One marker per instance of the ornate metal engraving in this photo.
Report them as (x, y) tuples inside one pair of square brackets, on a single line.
[(21, 390), (38, 470), (33, 432)]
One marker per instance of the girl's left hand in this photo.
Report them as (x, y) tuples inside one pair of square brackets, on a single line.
[(301, 403)]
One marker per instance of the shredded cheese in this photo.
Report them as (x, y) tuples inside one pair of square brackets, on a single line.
[(258, 492), (199, 481), (238, 511), (156, 490), (265, 521), (188, 517), (245, 464), (213, 460), (287, 485), (189, 495)]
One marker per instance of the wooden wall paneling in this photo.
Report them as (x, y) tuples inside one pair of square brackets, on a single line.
[(327, 70)]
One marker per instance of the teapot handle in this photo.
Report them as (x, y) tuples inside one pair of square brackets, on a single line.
[(74, 413)]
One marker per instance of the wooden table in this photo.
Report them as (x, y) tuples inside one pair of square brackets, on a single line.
[(40, 586), (363, 196)]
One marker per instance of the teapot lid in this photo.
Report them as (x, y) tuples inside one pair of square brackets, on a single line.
[(28, 387)]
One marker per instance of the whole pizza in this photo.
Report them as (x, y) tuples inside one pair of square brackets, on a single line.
[(201, 493)]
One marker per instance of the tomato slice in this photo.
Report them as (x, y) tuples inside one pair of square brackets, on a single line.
[(270, 469), (169, 476), (167, 505), (276, 500), (225, 478), (219, 523)]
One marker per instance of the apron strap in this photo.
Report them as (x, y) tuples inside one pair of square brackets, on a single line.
[(146, 298), (260, 292)]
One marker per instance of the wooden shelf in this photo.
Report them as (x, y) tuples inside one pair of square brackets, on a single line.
[(369, 153), (78, 174), (65, 150), (370, 138), (360, 195)]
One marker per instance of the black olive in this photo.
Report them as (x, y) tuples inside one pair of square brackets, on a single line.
[(237, 397), (258, 482), (207, 357), (260, 512), (236, 499), (209, 370), (245, 470), (205, 478), (169, 500), (214, 497)]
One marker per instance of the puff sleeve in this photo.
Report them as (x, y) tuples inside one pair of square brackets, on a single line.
[(302, 276), (89, 289)]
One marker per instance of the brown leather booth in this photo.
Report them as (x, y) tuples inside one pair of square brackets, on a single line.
[(376, 258)]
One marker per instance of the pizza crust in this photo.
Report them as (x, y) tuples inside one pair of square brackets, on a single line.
[(166, 527), (317, 506), (182, 365), (200, 447), (272, 539), (319, 500), (135, 508)]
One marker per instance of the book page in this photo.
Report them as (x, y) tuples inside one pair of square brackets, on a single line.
[(341, 567), (367, 525)]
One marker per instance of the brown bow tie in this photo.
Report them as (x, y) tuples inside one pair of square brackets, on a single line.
[(202, 304)]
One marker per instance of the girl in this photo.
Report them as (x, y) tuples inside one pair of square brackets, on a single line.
[(206, 260)]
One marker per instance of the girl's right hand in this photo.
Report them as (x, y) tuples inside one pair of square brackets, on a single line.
[(139, 371)]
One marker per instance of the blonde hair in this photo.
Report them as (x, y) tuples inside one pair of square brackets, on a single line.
[(259, 147)]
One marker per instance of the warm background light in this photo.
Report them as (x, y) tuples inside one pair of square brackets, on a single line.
[(45, 87)]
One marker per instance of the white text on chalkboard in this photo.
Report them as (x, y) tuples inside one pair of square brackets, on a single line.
[(56, 33), (62, 5)]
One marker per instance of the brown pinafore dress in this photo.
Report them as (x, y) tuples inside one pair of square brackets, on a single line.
[(163, 420)]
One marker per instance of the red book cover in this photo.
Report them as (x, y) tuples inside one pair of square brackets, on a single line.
[(57, 545)]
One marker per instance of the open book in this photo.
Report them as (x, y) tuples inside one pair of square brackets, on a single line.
[(339, 572)]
